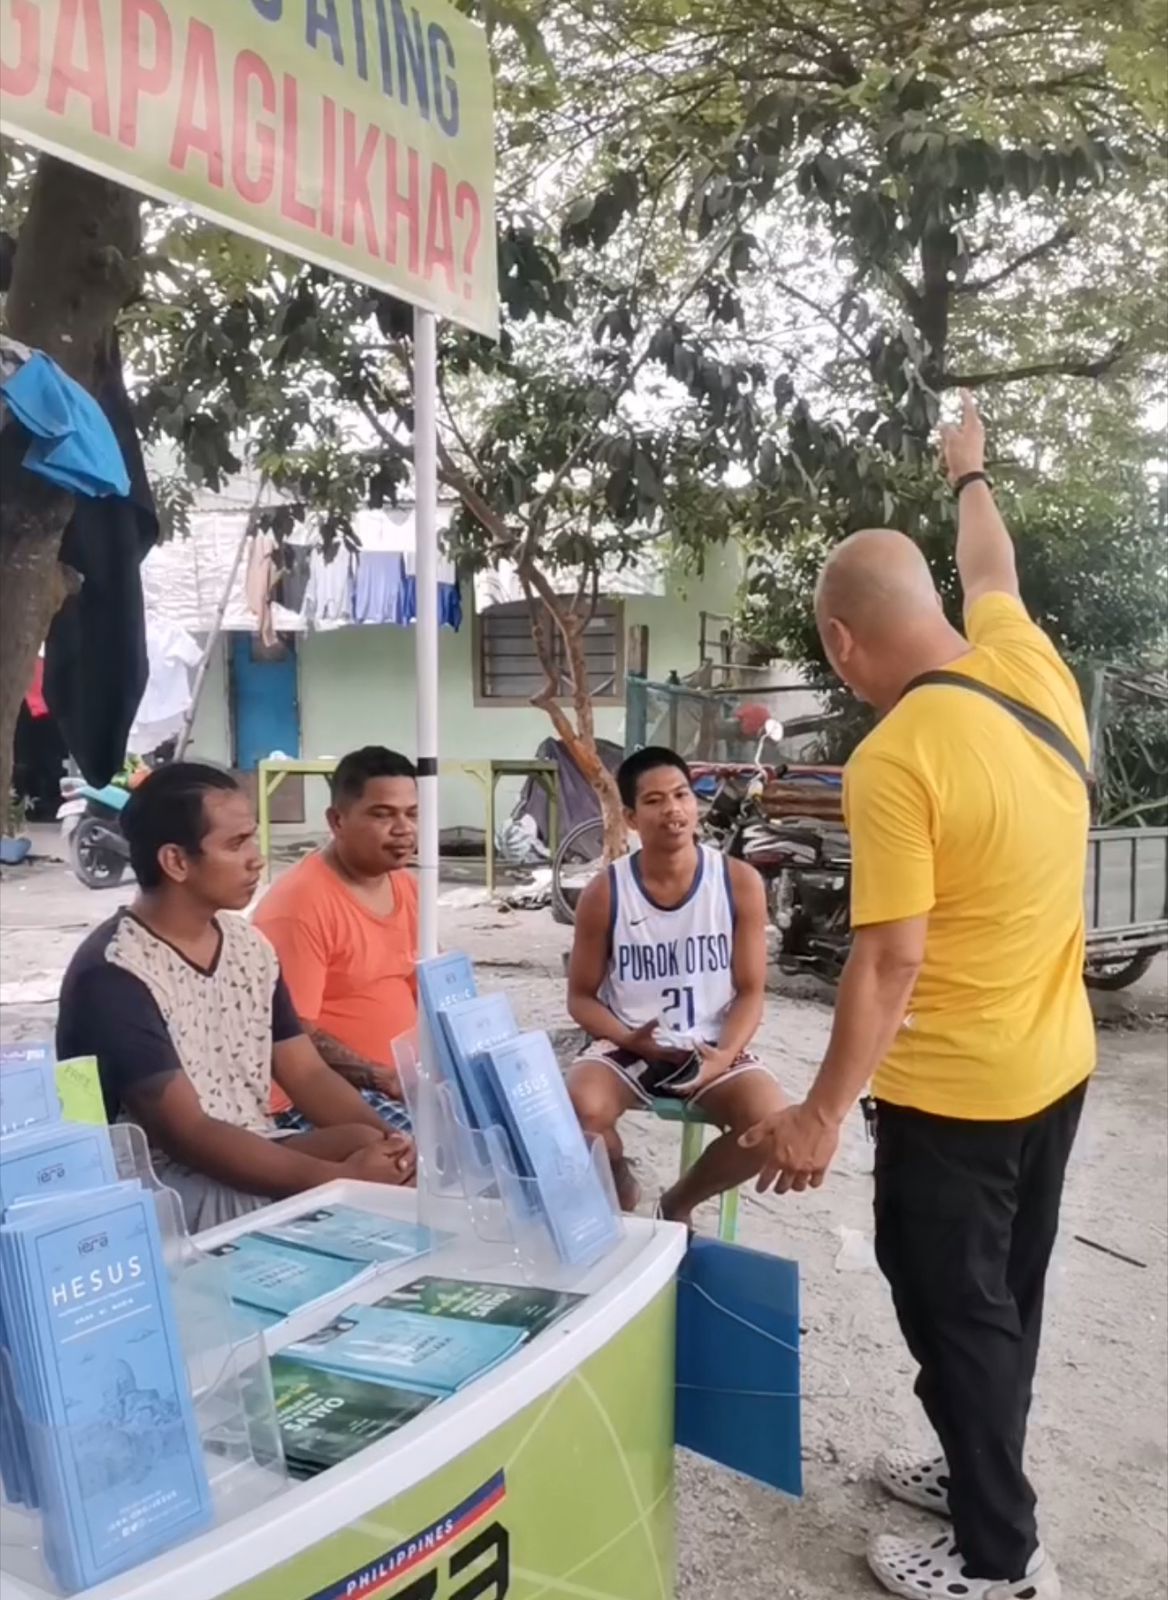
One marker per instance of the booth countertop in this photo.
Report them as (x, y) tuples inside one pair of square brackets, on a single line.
[(302, 1515)]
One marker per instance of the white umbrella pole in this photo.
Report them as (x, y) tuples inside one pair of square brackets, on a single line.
[(426, 630)]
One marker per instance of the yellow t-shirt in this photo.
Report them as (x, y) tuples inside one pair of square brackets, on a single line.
[(955, 810)]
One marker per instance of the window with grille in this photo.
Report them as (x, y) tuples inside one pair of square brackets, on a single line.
[(509, 668)]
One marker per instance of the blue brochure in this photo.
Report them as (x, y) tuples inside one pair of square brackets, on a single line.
[(442, 982), (433, 1355), (100, 1378), (63, 1157), (738, 1390), (472, 1029), (354, 1235), (273, 1276), (28, 1089), (544, 1127)]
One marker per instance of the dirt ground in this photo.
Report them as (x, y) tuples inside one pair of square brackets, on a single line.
[(1100, 1430)]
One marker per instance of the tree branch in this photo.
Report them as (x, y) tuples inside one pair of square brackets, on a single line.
[(1060, 237), (630, 377), (1067, 367), (448, 474)]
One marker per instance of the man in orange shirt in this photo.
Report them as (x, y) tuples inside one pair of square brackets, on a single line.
[(344, 923)]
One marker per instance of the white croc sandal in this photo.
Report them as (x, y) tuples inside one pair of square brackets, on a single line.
[(924, 1484), (935, 1571)]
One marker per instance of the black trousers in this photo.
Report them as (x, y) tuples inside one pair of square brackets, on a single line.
[(966, 1219)]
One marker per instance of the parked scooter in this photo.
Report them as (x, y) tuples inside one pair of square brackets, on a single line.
[(805, 864), (806, 868), (91, 831)]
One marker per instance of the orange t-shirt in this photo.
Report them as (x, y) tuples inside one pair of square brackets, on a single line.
[(350, 972)]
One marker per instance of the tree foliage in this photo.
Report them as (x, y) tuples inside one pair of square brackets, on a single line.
[(744, 254)]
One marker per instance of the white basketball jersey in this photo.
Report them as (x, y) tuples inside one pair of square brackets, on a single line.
[(671, 966)]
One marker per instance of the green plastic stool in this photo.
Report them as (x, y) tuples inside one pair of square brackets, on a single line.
[(693, 1138)]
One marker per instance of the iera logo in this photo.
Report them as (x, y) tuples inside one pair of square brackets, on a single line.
[(96, 1241), (51, 1174)]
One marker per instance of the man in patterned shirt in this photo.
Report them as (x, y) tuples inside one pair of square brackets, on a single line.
[(189, 1019)]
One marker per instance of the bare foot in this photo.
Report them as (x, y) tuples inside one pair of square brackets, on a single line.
[(628, 1190)]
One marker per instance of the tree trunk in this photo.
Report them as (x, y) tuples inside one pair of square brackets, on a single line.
[(581, 738), (73, 272), (616, 834)]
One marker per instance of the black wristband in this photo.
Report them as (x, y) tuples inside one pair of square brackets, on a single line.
[(971, 477)]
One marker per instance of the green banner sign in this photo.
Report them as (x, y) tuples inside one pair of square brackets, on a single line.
[(354, 133)]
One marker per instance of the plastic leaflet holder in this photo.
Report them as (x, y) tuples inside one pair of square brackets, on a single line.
[(230, 1388), (466, 1173)]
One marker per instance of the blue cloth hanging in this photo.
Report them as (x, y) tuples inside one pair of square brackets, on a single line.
[(449, 606), (449, 603), (73, 444)]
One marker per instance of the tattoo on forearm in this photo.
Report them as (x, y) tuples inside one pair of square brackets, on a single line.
[(360, 1072)]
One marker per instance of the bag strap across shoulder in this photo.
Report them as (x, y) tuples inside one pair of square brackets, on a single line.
[(1040, 727)]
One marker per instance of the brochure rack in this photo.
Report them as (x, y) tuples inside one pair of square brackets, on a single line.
[(592, 1396), (469, 1173), (230, 1389)]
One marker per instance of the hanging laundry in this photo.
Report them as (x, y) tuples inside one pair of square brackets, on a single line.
[(449, 606), (73, 444), (96, 667), (379, 588), (328, 600), (449, 593), (260, 583), (295, 567), (173, 655)]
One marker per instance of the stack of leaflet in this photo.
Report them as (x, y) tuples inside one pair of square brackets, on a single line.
[(500, 1078), (375, 1368), (28, 1090), (98, 1428), (284, 1267), (36, 1089)]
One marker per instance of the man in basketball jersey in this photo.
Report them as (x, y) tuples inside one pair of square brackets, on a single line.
[(667, 978)]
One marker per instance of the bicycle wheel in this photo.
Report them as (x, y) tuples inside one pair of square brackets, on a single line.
[(579, 858)]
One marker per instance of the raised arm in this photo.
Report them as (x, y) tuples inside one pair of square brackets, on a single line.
[(985, 551)]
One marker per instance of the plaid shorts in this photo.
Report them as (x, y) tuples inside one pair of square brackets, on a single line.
[(392, 1112)]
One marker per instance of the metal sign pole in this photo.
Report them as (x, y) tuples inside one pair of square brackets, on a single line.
[(426, 627)]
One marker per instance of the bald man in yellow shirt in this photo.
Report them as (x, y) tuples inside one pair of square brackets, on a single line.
[(963, 1003)]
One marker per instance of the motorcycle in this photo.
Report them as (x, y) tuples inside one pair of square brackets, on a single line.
[(806, 869), (91, 831), (805, 864)]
